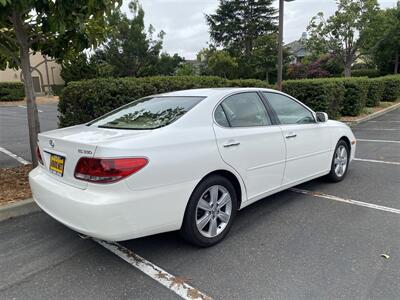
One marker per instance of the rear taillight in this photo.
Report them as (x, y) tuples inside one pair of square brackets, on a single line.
[(39, 155), (106, 170)]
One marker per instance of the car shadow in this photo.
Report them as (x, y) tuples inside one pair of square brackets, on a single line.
[(246, 220)]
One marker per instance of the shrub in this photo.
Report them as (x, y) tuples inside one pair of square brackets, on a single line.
[(391, 90), (248, 83), (356, 90), (319, 94), (57, 89), (296, 71), (82, 101), (11, 91), (375, 92), (371, 73)]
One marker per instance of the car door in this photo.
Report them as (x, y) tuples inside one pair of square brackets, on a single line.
[(250, 143), (308, 147)]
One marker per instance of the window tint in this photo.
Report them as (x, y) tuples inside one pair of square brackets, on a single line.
[(288, 110), (244, 110), (147, 113), (220, 117)]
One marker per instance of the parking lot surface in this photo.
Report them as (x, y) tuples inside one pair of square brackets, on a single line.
[(311, 243), (14, 135)]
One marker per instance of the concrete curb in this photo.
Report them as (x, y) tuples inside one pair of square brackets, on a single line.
[(17, 209), (373, 115)]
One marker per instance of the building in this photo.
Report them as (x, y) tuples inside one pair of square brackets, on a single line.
[(45, 73), (298, 49)]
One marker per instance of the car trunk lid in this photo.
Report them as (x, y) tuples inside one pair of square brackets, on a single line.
[(62, 148)]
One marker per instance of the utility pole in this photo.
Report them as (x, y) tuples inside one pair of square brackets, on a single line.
[(280, 42)]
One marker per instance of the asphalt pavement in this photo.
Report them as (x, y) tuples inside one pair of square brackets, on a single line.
[(320, 245), (14, 135)]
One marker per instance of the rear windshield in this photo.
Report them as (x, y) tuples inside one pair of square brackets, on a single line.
[(147, 113)]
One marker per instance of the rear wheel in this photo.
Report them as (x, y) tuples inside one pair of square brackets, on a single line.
[(210, 212), (340, 162)]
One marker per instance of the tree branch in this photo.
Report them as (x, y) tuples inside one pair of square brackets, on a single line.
[(11, 40), (11, 54)]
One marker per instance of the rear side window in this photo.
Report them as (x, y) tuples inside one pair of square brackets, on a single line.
[(220, 117), (288, 110), (242, 110), (147, 113)]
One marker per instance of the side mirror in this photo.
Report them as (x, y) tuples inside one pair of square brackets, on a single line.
[(321, 117)]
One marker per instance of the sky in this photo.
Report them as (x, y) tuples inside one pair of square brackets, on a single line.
[(187, 32)]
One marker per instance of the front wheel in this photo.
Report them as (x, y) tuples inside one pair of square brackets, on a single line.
[(340, 162), (210, 212)]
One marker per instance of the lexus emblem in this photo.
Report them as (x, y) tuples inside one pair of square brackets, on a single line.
[(51, 143)]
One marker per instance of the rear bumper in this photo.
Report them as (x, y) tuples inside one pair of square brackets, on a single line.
[(111, 212)]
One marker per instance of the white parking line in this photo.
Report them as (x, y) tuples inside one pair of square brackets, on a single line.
[(176, 284), (378, 141), (349, 201), (22, 106), (15, 156), (385, 121), (377, 161), (377, 129)]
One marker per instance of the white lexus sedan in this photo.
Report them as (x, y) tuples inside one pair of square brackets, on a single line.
[(186, 160)]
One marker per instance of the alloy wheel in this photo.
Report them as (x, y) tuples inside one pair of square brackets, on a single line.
[(213, 211), (340, 161)]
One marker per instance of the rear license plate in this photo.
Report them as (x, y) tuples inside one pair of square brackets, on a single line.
[(57, 164)]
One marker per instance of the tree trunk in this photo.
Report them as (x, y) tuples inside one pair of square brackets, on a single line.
[(32, 112), (396, 62), (348, 60), (347, 69)]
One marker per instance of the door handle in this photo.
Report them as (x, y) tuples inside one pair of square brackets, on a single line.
[(291, 135), (231, 144)]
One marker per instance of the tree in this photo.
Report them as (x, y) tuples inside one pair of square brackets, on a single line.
[(129, 48), (326, 65), (185, 69), (263, 60), (168, 65), (343, 33), (52, 27), (77, 67), (238, 23), (222, 64), (383, 45), (202, 58)]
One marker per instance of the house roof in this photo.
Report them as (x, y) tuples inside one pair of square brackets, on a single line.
[(298, 48)]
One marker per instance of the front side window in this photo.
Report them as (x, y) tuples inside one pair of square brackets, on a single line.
[(147, 113), (242, 110), (288, 110)]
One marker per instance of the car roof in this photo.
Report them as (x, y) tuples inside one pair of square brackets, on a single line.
[(207, 92)]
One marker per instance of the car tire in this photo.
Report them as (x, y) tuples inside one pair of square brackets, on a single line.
[(340, 162), (210, 212)]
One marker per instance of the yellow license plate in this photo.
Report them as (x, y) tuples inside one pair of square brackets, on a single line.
[(57, 164)]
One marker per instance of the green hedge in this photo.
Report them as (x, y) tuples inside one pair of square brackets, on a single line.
[(11, 91), (320, 94), (355, 96), (371, 73), (392, 87), (375, 92), (82, 101)]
